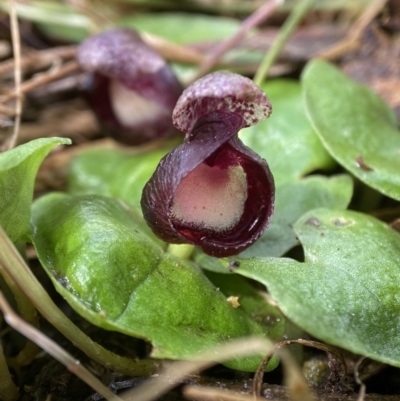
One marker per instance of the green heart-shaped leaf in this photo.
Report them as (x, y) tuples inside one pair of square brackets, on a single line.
[(18, 168), (119, 175), (286, 140), (118, 278), (355, 125), (347, 291), (292, 201), (251, 301)]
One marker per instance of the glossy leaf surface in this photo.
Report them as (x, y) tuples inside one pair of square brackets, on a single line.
[(118, 278), (250, 299), (18, 168), (291, 202), (119, 175), (287, 140), (356, 126), (346, 293)]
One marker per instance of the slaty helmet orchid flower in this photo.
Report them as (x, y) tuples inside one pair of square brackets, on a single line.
[(213, 191), (131, 89)]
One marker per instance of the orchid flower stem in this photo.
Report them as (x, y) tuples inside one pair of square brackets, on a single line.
[(293, 20), (181, 251)]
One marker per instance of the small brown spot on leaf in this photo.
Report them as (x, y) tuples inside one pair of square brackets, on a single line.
[(313, 221), (360, 163), (233, 265)]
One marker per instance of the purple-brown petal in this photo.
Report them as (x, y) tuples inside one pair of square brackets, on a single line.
[(131, 89), (211, 191), (221, 91)]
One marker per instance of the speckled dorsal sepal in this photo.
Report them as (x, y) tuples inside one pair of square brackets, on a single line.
[(212, 191), (221, 91)]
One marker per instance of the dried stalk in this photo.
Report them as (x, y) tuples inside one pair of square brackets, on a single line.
[(16, 43), (253, 20), (72, 364)]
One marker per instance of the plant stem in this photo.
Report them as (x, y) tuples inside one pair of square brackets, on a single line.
[(54, 350), (29, 313), (250, 22), (16, 43), (294, 18), (181, 251), (14, 268), (8, 390)]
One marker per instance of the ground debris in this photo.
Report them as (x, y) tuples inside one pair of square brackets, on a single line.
[(375, 63)]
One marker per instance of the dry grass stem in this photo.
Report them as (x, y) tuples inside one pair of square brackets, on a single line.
[(9, 111), (16, 44), (212, 394), (172, 51), (253, 20), (178, 370), (64, 120), (42, 79), (39, 59), (362, 391), (351, 41), (294, 378), (72, 364)]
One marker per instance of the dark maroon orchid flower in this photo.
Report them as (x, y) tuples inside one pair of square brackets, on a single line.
[(131, 89), (213, 191)]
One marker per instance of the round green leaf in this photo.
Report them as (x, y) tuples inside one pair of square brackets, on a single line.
[(118, 278), (18, 168), (347, 291), (355, 125), (292, 201), (286, 140)]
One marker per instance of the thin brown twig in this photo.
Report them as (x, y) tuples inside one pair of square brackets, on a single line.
[(362, 391), (7, 110), (206, 393), (177, 370), (16, 43), (42, 79), (172, 51), (351, 41), (333, 353), (39, 59), (72, 364), (253, 20)]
